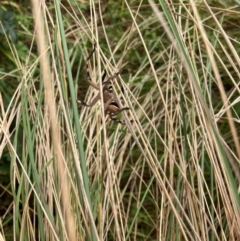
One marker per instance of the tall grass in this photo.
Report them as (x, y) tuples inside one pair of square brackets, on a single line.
[(170, 173)]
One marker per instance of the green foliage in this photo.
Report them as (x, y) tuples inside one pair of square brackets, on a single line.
[(7, 19), (164, 177), (5, 167)]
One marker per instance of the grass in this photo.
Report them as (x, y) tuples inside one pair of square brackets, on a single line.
[(170, 174)]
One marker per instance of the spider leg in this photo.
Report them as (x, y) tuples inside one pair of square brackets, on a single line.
[(120, 110), (119, 121), (92, 52), (113, 109), (89, 79), (111, 78), (95, 86), (93, 102), (116, 120), (112, 114), (104, 75)]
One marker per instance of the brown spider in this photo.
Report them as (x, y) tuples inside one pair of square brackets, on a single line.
[(111, 106)]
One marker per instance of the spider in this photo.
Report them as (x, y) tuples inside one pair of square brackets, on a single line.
[(111, 105)]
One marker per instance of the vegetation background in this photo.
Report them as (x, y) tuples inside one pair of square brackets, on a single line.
[(69, 173)]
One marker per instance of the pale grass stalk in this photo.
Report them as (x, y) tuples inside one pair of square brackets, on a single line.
[(51, 111), (231, 207), (157, 167)]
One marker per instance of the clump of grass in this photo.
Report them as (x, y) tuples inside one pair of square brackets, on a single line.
[(170, 174)]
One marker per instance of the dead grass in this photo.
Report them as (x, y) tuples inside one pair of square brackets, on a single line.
[(173, 173)]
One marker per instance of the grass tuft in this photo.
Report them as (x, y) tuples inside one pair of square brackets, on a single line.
[(171, 173)]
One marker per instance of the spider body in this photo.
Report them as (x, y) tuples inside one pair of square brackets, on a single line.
[(111, 105)]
